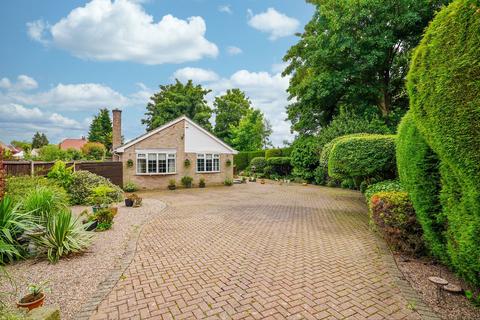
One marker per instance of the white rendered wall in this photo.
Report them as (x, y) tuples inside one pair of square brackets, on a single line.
[(197, 141)]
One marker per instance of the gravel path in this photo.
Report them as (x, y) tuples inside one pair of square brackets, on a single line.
[(74, 279)]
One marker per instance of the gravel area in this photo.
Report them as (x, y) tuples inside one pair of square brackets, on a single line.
[(74, 279), (450, 306)]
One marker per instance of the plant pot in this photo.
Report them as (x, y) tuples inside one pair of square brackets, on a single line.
[(172, 187), (93, 225), (29, 303), (128, 202)]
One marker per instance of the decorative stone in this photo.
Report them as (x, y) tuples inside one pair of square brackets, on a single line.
[(453, 288), (438, 281)]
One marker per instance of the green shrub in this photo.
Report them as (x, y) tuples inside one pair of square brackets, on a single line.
[(18, 187), (84, 182), (62, 174), (228, 182), (347, 184), (201, 183), (393, 214), (383, 186), (320, 176), (101, 196), (13, 222), (270, 153), (45, 201), (259, 163), (419, 171), (104, 217), (94, 150), (187, 181), (130, 187), (280, 166), (73, 154), (240, 161), (63, 235), (443, 86), (51, 152), (362, 157), (305, 157)]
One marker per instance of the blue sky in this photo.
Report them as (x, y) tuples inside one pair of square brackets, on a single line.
[(63, 60)]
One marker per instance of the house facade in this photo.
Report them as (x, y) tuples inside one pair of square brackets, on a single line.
[(177, 149)]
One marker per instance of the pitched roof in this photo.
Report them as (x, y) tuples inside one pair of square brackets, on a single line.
[(122, 148), (72, 143)]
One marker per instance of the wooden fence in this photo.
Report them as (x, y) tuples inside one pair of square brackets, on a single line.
[(112, 170)]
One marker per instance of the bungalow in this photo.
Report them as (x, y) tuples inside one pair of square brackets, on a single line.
[(178, 148), (76, 144)]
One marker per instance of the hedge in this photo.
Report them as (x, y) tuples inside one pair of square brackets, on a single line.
[(279, 152), (279, 166), (383, 186), (418, 170), (363, 157), (305, 157), (443, 86), (259, 163), (393, 214), (243, 159)]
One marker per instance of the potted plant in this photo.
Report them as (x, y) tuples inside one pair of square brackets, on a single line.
[(89, 222), (201, 183), (133, 201), (35, 297), (129, 201), (100, 198), (186, 163), (172, 184), (228, 162), (187, 181)]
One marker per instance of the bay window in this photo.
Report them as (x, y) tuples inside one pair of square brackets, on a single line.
[(208, 162), (156, 163)]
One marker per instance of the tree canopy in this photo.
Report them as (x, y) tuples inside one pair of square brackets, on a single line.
[(175, 100), (229, 110), (101, 129), (354, 53), (39, 140), (252, 132)]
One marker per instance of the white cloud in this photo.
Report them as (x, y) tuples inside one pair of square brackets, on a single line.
[(277, 24), (279, 67), (233, 51), (122, 31), (225, 8), (23, 82), (5, 83), (195, 74)]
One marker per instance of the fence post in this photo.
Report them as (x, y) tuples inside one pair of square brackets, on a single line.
[(32, 168)]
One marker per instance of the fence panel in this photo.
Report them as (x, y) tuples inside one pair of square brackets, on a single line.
[(112, 170)]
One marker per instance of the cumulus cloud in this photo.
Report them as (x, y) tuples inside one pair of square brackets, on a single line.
[(122, 31), (195, 74), (225, 9), (277, 24), (23, 82), (233, 51)]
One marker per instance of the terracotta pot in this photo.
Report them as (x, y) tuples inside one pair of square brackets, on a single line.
[(32, 304), (114, 211)]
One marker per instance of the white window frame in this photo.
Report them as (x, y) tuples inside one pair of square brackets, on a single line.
[(144, 155), (215, 156)]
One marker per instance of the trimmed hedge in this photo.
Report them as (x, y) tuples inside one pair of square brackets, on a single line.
[(383, 186), (243, 159), (361, 157), (418, 170), (279, 152), (393, 214), (444, 85), (279, 166), (260, 163), (305, 157)]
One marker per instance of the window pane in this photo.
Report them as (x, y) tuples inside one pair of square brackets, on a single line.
[(208, 164), (141, 165), (200, 165), (162, 163), (216, 164), (171, 165), (152, 163)]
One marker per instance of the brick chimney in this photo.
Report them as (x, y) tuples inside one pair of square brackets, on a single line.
[(117, 128)]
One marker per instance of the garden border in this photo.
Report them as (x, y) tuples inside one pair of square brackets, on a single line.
[(107, 284)]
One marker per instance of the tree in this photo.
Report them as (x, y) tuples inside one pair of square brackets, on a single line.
[(354, 53), (229, 110), (175, 100), (39, 140), (252, 133), (24, 145), (101, 129), (51, 152)]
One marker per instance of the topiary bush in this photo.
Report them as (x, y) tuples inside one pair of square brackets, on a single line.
[(362, 157), (259, 163), (419, 171), (305, 157), (84, 182), (443, 85), (393, 214), (280, 166)]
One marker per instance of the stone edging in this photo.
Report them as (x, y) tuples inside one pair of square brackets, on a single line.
[(107, 285), (410, 294)]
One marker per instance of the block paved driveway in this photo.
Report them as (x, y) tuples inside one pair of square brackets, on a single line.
[(257, 252)]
